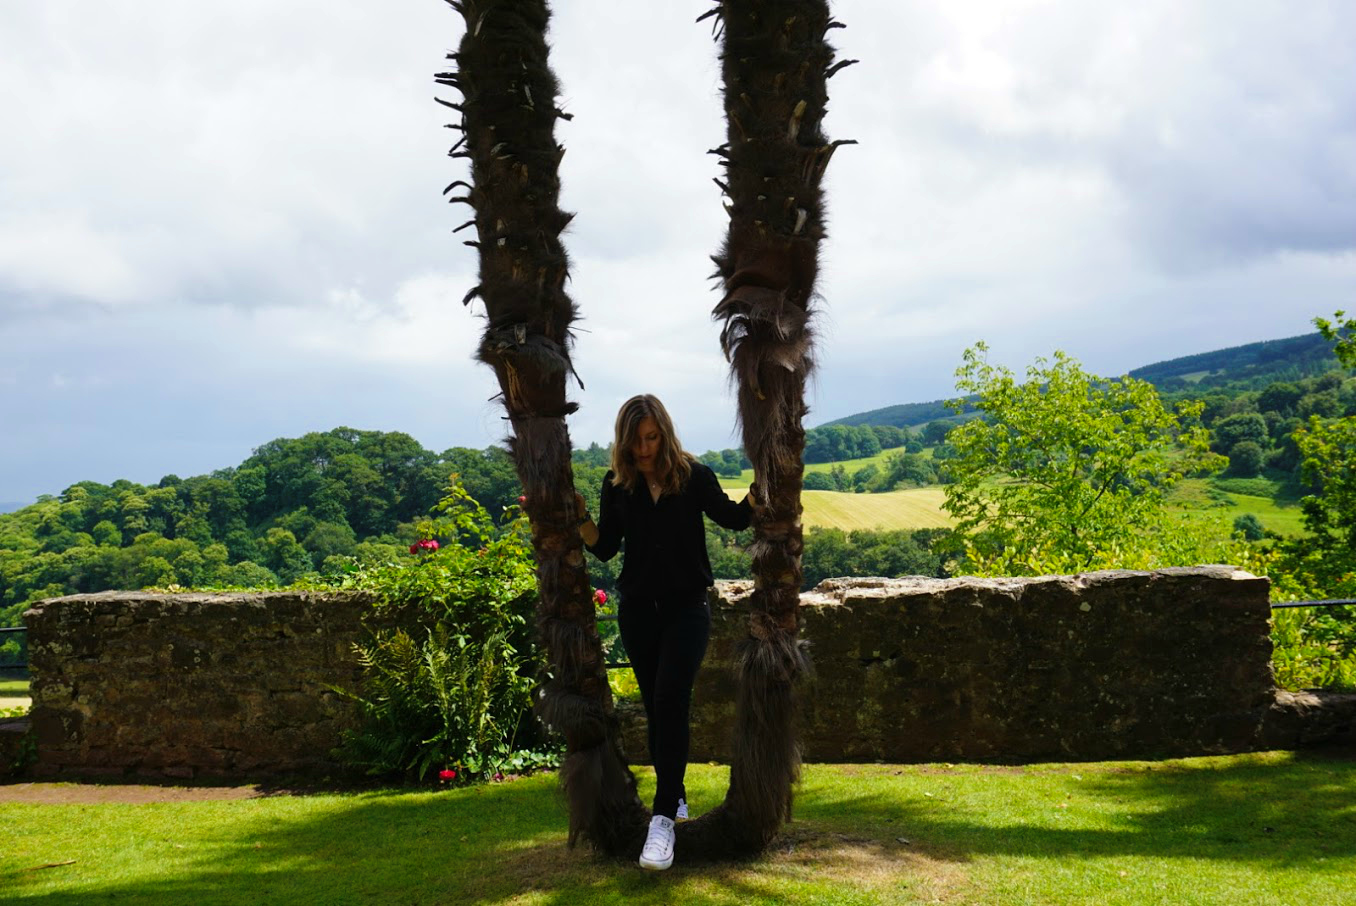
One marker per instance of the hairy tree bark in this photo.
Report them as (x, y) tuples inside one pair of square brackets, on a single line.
[(508, 114), (776, 62)]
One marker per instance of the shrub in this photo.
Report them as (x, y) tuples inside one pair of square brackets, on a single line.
[(1245, 459), (1249, 527), (456, 694)]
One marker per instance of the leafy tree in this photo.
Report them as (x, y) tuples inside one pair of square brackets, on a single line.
[(909, 469), (936, 431), (285, 556), (330, 539), (1065, 471), (819, 481), (1341, 330), (1245, 459), (1236, 429), (866, 477), (106, 534), (1280, 397), (248, 574)]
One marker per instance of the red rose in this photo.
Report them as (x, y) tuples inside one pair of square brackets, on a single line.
[(448, 774), (600, 597), (522, 499), (414, 548)]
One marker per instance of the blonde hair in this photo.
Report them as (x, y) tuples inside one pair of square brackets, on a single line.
[(673, 465)]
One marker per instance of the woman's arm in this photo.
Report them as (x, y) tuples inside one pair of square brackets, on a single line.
[(603, 539), (715, 503)]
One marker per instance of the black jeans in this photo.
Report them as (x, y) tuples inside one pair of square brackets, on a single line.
[(666, 641)]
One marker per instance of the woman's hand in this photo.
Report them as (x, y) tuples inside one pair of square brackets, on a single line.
[(752, 497), (587, 529)]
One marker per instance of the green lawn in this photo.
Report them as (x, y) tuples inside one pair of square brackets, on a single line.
[(13, 693), (1273, 828)]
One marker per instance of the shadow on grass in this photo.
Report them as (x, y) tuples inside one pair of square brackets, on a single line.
[(490, 844), (1273, 812)]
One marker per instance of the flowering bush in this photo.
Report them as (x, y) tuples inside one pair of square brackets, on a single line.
[(459, 694)]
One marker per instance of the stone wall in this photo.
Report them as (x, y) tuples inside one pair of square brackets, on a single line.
[(192, 684), (1102, 665)]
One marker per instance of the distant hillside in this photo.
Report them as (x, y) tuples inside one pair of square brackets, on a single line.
[(901, 416), (1238, 368), (1256, 364)]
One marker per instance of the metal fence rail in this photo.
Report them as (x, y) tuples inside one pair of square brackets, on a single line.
[(5, 631)]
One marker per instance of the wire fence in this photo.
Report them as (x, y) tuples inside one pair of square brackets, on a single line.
[(13, 649)]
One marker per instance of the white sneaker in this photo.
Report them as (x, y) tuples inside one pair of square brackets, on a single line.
[(658, 852), (682, 809)]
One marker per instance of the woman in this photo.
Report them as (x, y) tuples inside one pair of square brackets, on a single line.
[(653, 498)]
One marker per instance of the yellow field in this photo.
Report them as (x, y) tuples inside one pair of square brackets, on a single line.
[(912, 509), (922, 508)]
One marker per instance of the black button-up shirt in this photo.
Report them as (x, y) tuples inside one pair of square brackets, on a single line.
[(665, 541)]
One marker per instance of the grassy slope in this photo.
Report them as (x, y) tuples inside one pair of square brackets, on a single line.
[(13, 694), (1192, 496), (922, 507), (1242, 831)]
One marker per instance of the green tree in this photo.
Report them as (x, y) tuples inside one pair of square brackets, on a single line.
[(819, 481), (106, 534), (1065, 471), (1236, 429), (1245, 459), (936, 432), (1341, 330)]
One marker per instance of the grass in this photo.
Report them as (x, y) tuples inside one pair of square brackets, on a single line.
[(910, 509), (1241, 830), (1196, 497), (922, 507), (13, 693)]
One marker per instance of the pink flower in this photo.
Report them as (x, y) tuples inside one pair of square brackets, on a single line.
[(600, 597), (522, 499), (498, 777), (447, 775), (430, 544)]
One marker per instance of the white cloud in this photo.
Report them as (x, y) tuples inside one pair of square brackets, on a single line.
[(230, 215)]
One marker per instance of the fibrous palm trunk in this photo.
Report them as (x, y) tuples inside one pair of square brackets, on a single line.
[(776, 63), (508, 116)]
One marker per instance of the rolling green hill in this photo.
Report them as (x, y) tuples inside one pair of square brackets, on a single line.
[(1255, 363), (1248, 367)]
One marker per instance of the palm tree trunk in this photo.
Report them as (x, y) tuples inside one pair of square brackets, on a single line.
[(508, 116), (776, 64)]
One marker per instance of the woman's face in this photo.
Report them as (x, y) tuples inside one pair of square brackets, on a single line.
[(645, 448)]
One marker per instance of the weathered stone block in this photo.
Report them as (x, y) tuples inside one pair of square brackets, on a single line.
[(1104, 665)]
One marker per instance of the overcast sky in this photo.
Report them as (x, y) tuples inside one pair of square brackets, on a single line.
[(222, 223)]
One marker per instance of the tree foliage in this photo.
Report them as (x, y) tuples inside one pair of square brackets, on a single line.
[(1065, 471)]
